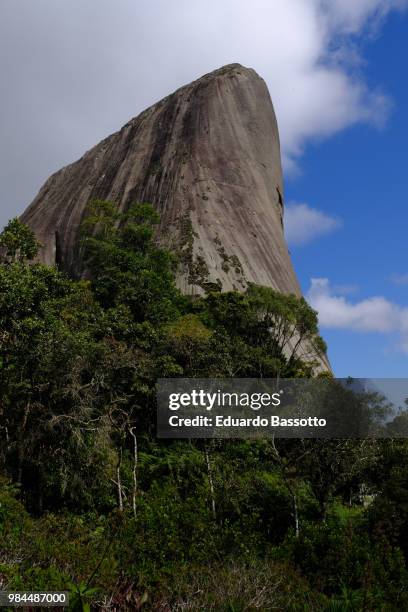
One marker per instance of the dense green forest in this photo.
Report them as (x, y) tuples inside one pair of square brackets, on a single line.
[(93, 503)]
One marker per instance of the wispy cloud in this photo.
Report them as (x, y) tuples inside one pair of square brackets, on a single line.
[(399, 279), (304, 223), (344, 289), (350, 16), (376, 314)]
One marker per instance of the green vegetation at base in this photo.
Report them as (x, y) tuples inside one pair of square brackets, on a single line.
[(93, 503)]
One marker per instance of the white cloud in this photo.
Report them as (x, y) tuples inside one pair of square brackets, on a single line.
[(376, 314), (399, 279), (303, 223), (350, 16)]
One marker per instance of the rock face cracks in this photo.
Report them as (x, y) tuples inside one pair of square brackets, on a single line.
[(208, 158)]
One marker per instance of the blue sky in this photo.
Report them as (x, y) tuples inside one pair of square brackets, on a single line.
[(360, 176), (74, 72)]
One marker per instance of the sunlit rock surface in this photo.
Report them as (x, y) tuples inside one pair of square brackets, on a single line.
[(208, 158)]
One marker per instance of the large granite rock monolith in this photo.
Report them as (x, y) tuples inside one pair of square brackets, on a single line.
[(208, 158)]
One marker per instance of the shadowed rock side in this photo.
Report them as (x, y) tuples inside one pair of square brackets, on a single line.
[(208, 158)]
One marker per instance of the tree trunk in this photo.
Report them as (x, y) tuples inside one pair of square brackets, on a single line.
[(210, 480), (134, 469), (21, 445), (119, 483), (295, 514)]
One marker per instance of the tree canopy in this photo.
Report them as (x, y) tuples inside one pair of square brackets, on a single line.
[(91, 501)]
